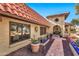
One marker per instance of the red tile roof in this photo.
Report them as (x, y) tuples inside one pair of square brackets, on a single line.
[(22, 11)]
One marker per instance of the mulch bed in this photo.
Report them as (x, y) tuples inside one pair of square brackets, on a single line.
[(26, 51), (67, 50)]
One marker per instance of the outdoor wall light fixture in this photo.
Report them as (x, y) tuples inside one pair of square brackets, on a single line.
[(36, 29)]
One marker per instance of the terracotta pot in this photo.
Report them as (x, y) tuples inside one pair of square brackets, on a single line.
[(35, 47)]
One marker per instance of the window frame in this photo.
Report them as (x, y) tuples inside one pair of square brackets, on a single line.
[(22, 39), (42, 30)]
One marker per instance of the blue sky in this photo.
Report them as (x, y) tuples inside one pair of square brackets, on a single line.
[(46, 9)]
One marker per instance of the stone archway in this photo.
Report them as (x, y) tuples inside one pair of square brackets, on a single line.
[(57, 30)]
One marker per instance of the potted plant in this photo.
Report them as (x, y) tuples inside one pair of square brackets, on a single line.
[(35, 45)]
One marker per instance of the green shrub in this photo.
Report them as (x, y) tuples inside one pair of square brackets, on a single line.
[(77, 43), (34, 41)]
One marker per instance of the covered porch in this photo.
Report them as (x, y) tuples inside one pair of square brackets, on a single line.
[(56, 47)]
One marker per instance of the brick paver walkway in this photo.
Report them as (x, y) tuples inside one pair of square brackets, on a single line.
[(58, 48)]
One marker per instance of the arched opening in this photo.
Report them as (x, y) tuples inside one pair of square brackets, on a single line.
[(57, 30)]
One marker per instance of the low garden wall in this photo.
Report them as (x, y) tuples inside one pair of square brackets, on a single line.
[(74, 47)]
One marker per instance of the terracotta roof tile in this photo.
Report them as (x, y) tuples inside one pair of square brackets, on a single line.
[(2, 7), (21, 10)]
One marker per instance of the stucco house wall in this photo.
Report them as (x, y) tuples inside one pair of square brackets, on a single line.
[(50, 29), (67, 29), (59, 23), (5, 47)]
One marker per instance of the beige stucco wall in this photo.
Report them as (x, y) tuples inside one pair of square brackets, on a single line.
[(77, 29), (5, 47), (61, 22), (68, 30), (33, 32), (50, 29)]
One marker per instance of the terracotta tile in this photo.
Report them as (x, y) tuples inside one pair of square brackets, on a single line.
[(24, 12)]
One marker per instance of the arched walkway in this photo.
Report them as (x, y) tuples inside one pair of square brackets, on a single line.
[(57, 30)]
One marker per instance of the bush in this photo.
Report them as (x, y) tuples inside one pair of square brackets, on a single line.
[(34, 41), (77, 43)]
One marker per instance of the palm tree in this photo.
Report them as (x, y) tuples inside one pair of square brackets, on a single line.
[(77, 8), (75, 21)]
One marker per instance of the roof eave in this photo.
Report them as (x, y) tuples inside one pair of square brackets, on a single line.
[(66, 15), (19, 18)]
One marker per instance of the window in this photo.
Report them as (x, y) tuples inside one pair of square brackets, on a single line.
[(19, 32), (42, 30), (26, 31), (56, 20)]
